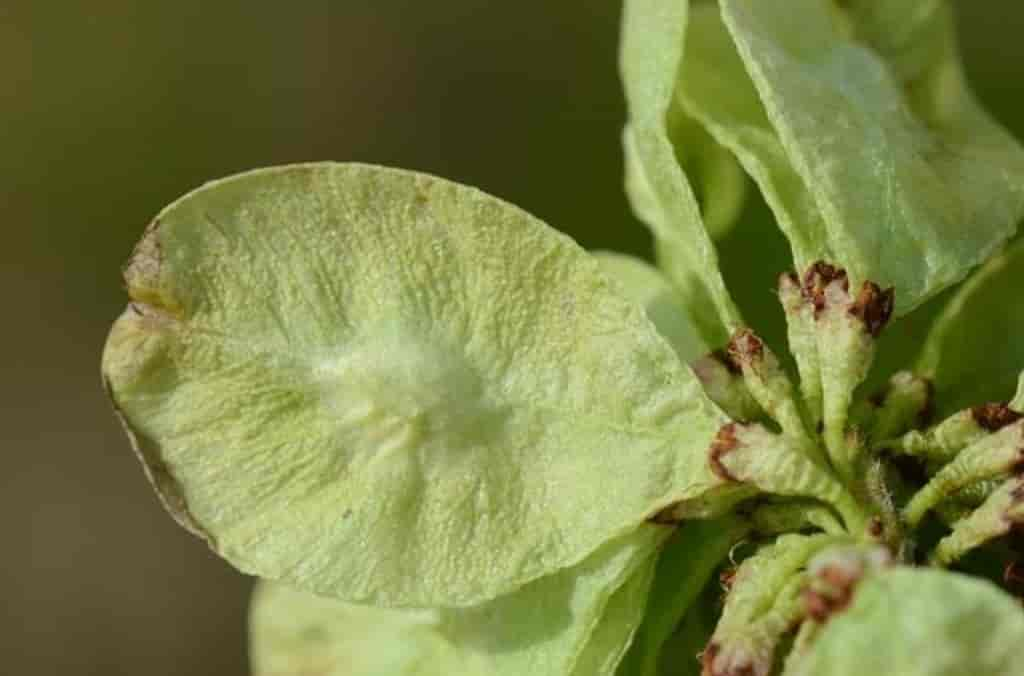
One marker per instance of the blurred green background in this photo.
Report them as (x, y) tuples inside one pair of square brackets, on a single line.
[(109, 110)]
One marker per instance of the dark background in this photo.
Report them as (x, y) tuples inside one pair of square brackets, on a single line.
[(111, 109)]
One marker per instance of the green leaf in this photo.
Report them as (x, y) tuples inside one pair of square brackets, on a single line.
[(969, 353), (379, 385), (651, 53), (577, 621), (916, 622), (684, 567), (646, 286), (915, 183), (715, 89)]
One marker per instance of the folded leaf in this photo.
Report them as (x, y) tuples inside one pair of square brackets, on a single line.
[(379, 385), (577, 621), (914, 182), (649, 288), (915, 622), (651, 53), (973, 353)]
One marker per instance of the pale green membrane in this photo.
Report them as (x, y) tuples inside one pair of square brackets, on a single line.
[(973, 354), (576, 621), (918, 622), (914, 182), (383, 386), (651, 52)]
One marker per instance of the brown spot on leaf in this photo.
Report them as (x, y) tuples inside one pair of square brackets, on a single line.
[(724, 442), (994, 417), (875, 527), (874, 307), (817, 278)]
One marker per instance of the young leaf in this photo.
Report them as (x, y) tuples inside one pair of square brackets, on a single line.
[(715, 89), (651, 52), (586, 614), (379, 385), (916, 622), (646, 286), (970, 353), (916, 184)]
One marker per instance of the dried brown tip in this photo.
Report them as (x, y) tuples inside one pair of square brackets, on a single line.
[(994, 417), (817, 278), (874, 307), (745, 347), (724, 442)]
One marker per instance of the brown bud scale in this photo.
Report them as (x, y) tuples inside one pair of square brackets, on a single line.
[(873, 307)]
